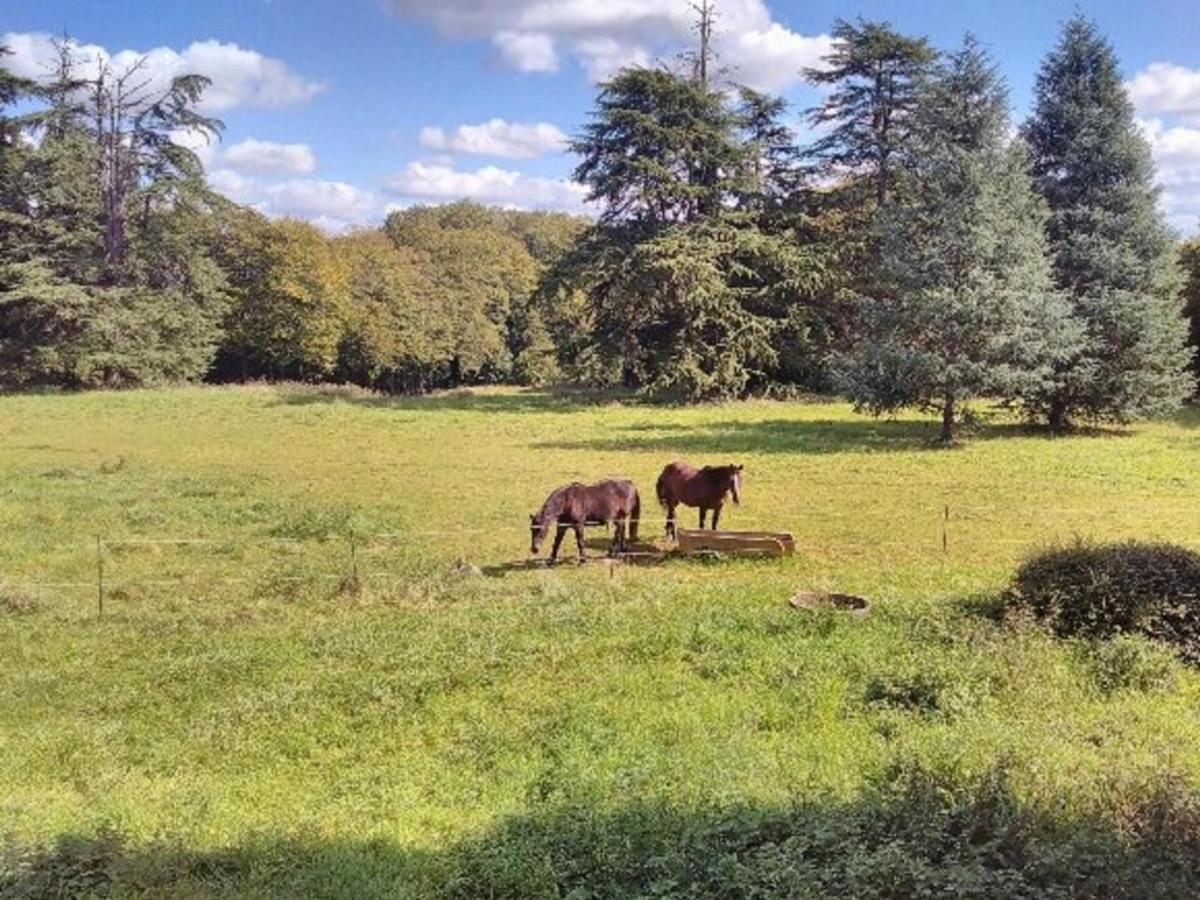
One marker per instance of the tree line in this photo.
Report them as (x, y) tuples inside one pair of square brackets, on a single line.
[(924, 250)]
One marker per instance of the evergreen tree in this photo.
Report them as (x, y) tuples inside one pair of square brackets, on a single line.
[(107, 281), (660, 150), (975, 311), (1189, 258), (1113, 254), (874, 73), (685, 287)]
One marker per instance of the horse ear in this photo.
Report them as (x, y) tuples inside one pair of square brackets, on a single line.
[(532, 518), (739, 467)]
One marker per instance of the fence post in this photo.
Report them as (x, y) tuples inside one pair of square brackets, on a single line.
[(100, 576)]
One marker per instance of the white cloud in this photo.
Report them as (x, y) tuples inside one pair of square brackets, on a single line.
[(237, 188), (602, 35), (333, 205), (496, 137), (1176, 152), (1167, 98), (526, 52), (603, 57), (1164, 88), (266, 157), (311, 199), (240, 77), (490, 184), (774, 56)]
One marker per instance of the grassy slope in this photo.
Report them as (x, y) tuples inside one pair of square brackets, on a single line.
[(342, 745)]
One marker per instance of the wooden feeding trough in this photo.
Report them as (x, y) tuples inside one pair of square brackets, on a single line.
[(816, 600), (738, 543)]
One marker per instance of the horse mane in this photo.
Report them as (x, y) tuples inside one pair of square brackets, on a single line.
[(554, 502), (715, 473)]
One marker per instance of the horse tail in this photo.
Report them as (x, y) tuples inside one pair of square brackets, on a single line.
[(634, 515)]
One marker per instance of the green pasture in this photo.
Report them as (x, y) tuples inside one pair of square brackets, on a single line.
[(294, 691)]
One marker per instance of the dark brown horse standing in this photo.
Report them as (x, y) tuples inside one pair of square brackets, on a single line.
[(705, 488), (577, 505)]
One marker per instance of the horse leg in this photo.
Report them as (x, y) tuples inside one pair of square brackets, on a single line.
[(716, 515), (671, 521), (703, 515), (618, 541), (579, 541), (558, 539)]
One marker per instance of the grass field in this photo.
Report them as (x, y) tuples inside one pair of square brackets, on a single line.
[(245, 721)]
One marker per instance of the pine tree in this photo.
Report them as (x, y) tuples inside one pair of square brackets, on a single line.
[(1189, 258), (875, 73), (685, 286), (975, 312), (1113, 254), (107, 280)]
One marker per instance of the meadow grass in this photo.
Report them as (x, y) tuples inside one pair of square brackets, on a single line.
[(248, 720)]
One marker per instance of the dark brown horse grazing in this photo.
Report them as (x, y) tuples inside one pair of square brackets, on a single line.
[(577, 505), (705, 488)]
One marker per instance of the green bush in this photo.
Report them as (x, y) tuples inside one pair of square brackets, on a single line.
[(1099, 591), (1131, 663)]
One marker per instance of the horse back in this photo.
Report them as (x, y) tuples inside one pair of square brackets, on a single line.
[(600, 502)]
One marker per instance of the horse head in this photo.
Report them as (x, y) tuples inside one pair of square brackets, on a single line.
[(735, 482), (537, 534)]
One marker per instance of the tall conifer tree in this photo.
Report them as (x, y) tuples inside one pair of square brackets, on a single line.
[(975, 312), (1113, 254)]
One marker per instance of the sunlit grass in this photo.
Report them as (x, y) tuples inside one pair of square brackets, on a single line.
[(240, 694)]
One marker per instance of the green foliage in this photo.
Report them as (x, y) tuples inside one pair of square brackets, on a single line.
[(1113, 254), (1189, 259), (1130, 662), (974, 311), (1106, 590), (290, 304), (105, 281), (688, 276), (392, 338), (661, 150), (690, 313), (874, 74), (479, 275)]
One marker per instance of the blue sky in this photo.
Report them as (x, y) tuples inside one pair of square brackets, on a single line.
[(333, 107)]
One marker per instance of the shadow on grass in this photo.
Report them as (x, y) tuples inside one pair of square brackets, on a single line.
[(542, 400), (993, 607), (911, 833), (784, 436), (1189, 416)]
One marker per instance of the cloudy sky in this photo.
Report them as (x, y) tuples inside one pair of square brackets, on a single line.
[(337, 110)]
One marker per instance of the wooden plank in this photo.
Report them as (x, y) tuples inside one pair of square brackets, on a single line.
[(731, 542), (784, 537)]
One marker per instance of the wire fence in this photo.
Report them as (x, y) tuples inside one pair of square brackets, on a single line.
[(941, 531)]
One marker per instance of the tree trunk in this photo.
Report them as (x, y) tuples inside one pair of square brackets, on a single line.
[(1058, 415), (947, 435)]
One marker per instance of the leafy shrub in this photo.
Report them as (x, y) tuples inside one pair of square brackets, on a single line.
[(916, 830), (1105, 590), (920, 692), (1131, 662)]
